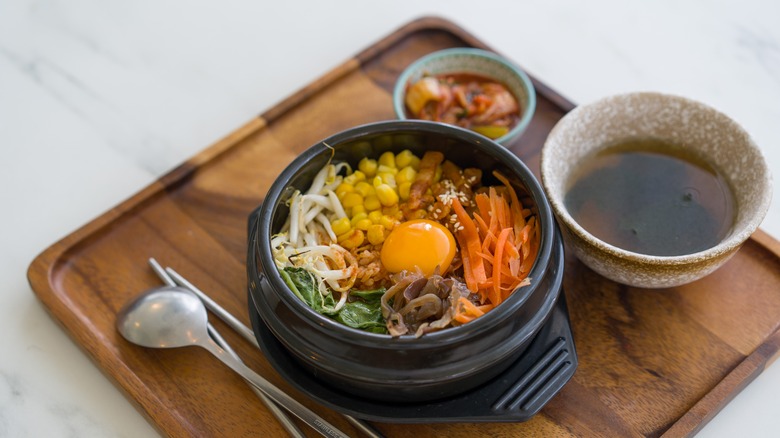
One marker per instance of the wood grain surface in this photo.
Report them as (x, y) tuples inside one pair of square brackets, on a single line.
[(651, 362)]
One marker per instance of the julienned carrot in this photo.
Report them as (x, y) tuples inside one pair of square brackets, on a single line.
[(518, 212), (468, 275), (483, 205), (469, 232), (511, 250), (483, 226), (466, 311), (499, 243), (501, 209), (524, 282), (505, 271), (531, 247), (525, 238), (514, 265), (509, 188), (465, 261), (484, 308), (498, 261), (488, 238)]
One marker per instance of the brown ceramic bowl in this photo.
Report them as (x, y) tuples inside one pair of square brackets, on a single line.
[(702, 131)]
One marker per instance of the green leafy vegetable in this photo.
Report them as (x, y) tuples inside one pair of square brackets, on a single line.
[(363, 312), (368, 295), (361, 315), (303, 284)]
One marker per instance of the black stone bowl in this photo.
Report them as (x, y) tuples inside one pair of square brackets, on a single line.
[(404, 369)]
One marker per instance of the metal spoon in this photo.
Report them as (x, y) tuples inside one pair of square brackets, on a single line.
[(240, 328), (171, 317), (277, 412)]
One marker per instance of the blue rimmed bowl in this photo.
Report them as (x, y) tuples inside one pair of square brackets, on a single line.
[(477, 62)]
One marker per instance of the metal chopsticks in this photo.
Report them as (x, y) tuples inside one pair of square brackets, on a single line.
[(280, 415), (245, 332)]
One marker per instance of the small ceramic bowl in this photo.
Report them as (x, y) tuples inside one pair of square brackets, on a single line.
[(477, 62), (701, 131)]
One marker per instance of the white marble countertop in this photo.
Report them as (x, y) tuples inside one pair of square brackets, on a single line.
[(98, 99)]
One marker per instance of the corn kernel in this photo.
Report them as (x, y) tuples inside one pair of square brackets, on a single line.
[(343, 189), (355, 178), (404, 158), (388, 222), (387, 196), (404, 189), (375, 215), (391, 211), (351, 239), (352, 199), (360, 208), (368, 167), (340, 226), (377, 181), (364, 188), (363, 224), (414, 163), (371, 202), (357, 218), (375, 234), (388, 178), (386, 169), (407, 174), (387, 159)]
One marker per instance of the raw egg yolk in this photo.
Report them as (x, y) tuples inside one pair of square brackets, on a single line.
[(419, 243)]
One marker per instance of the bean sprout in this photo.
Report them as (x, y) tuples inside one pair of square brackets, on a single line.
[(308, 240)]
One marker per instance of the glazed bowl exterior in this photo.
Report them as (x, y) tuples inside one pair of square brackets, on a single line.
[(405, 368), (473, 61), (700, 130)]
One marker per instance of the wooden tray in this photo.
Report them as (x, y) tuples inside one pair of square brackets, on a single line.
[(651, 361)]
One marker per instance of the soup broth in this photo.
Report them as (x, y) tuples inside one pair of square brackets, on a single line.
[(651, 197)]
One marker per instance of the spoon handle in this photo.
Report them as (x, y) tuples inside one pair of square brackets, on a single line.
[(283, 419), (277, 395)]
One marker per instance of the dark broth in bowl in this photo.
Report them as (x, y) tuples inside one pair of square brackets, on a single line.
[(650, 197)]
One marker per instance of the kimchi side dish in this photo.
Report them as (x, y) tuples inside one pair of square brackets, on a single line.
[(466, 100)]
